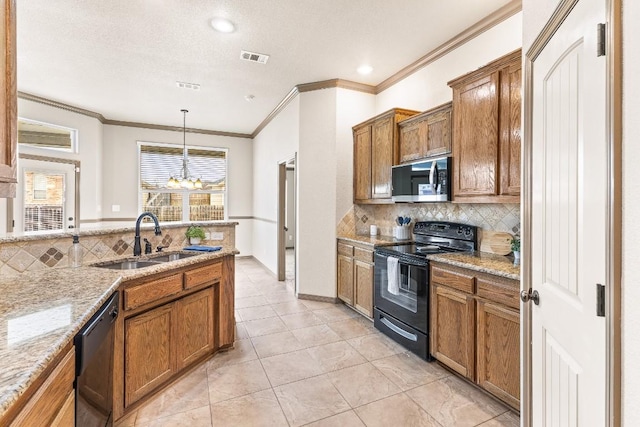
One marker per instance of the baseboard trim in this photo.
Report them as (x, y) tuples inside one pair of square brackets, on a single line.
[(318, 298)]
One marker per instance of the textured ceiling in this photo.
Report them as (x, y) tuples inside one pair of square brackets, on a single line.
[(122, 58)]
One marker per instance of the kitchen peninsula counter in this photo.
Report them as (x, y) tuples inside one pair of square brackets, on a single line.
[(41, 311)]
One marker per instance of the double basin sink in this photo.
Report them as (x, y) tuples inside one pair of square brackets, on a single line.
[(130, 264)]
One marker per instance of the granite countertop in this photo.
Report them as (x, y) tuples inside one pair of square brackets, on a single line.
[(480, 261), (41, 312), (373, 240)]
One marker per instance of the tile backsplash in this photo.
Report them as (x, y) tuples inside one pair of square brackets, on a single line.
[(494, 216), (51, 252)]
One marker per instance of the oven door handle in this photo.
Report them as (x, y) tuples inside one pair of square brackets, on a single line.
[(397, 330)]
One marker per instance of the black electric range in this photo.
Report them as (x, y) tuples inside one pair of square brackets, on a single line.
[(401, 281)]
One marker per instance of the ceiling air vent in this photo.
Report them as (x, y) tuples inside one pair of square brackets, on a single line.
[(185, 85), (260, 58)]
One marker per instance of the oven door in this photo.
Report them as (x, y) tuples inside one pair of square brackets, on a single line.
[(411, 304)]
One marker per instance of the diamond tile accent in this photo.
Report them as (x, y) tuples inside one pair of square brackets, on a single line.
[(166, 240), (120, 247), (51, 257)]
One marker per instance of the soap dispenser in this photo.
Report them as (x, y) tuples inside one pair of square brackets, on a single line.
[(75, 252)]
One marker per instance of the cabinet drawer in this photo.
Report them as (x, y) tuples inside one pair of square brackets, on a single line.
[(504, 291), (363, 255), (454, 279), (43, 408), (202, 275), (151, 291), (346, 250)]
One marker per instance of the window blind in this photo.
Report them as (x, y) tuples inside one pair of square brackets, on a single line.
[(158, 163)]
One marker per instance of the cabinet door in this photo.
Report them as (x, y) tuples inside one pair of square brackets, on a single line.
[(362, 163), (363, 284), (510, 128), (149, 351), (453, 329), (475, 143), (382, 157), (411, 137), (195, 326), (438, 134), (498, 349), (8, 100), (67, 415), (345, 279)]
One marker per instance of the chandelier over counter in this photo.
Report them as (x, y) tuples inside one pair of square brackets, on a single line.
[(184, 180)]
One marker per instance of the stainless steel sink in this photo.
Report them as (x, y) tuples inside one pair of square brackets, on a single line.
[(172, 257), (128, 265)]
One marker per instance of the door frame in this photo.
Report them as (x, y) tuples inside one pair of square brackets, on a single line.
[(614, 208), (76, 163), (282, 190)]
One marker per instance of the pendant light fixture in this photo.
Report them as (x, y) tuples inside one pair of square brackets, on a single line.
[(184, 180)]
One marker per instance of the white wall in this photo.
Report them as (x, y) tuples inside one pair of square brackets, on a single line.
[(277, 142), (631, 213), (120, 169), (90, 140), (428, 87)]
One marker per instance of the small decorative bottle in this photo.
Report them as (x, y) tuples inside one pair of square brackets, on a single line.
[(75, 252)]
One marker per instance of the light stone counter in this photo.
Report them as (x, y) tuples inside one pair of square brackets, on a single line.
[(480, 261), (41, 312), (372, 240)]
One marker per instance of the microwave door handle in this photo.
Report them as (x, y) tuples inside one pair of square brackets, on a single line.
[(433, 176)]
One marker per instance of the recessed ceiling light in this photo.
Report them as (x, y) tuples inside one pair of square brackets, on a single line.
[(223, 25), (249, 98), (365, 69)]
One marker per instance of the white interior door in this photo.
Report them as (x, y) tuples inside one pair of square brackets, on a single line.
[(45, 196), (569, 222)]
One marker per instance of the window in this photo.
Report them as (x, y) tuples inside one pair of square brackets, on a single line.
[(159, 162), (43, 135)]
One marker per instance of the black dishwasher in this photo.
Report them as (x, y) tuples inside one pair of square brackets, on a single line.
[(94, 367)]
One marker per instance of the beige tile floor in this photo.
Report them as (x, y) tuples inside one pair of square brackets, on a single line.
[(299, 362)]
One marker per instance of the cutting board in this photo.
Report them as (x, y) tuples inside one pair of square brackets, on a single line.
[(496, 242)]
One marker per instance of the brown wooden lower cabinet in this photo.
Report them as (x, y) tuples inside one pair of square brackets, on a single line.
[(476, 331), (196, 326), (355, 277), (165, 329), (149, 351), (52, 403), (452, 329)]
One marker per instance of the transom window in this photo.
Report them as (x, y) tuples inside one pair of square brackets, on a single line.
[(159, 162), (44, 135)]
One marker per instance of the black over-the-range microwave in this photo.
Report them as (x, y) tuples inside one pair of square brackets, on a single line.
[(422, 181)]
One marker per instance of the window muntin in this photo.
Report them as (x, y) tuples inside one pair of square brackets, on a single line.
[(159, 162)]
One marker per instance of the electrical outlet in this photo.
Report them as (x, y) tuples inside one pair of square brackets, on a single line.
[(217, 236), (115, 208), (290, 238)]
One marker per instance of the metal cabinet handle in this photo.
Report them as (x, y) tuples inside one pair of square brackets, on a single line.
[(530, 295)]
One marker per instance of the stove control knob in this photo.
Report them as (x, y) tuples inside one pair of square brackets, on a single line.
[(467, 232), (459, 230)]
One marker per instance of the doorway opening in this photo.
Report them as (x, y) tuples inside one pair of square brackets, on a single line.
[(47, 195), (287, 208)]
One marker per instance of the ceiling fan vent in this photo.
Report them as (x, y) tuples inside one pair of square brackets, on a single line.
[(260, 58), (185, 85)]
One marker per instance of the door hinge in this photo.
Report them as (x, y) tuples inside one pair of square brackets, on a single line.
[(600, 302), (602, 37)]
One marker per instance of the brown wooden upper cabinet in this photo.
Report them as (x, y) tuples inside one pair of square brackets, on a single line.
[(8, 101), (375, 150), (487, 132), (426, 134)]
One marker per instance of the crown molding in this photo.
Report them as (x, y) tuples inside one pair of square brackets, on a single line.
[(106, 121), (490, 21)]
